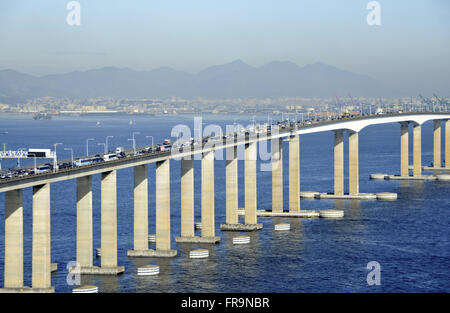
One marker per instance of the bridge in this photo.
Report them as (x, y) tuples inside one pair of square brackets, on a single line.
[(231, 143)]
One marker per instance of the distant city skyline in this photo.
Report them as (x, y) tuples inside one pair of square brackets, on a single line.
[(409, 48)]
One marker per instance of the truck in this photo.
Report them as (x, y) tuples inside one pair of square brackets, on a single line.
[(119, 150)]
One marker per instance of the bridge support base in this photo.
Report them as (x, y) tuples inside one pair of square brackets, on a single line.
[(150, 253), (197, 239), (98, 270), (422, 177), (240, 227), (360, 196), (27, 290)]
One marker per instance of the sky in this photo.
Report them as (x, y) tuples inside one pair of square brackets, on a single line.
[(410, 47)]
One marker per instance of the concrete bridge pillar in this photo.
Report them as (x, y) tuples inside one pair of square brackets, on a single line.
[(353, 155), (231, 173), (338, 162), (84, 222), (250, 183), (437, 144), (208, 205), (140, 243), (417, 150), (404, 149), (250, 191), (13, 239), (109, 223), (41, 264), (294, 174), (163, 243), (277, 175), (447, 143), (187, 197)]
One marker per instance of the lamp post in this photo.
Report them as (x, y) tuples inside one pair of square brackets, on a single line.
[(134, 141), (106, 145), (87, 145), (18, 159), (152, 140), (71, 152), (55, 160)]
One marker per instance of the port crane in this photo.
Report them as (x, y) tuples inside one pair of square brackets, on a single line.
[(427, 104), (443, 104)]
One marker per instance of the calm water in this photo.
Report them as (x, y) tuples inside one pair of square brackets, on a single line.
[(409, 237)]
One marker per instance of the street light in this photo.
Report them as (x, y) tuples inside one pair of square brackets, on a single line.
[(71, 152), (152, 140), (106, 146), (55, 161), (87, 145), (134, 141), (18, 159)]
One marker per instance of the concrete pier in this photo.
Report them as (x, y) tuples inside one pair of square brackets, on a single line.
[(41, 264), (437, 144), (231, 188), (163, 243), (208, 204), (250, 211), (447, 144), (84, 222), (404, 149), (417, 150), (232, 198), (187, 197), (109, 224), (13, 240), (187, 205), (294, 174), (140, 242), (277, 175), (353, 155), (338, 162), (250, 185)]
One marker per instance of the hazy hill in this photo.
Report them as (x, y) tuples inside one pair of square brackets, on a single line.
[(234, 79)]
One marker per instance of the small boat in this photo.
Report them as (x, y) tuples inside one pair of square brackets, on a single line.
[(42, 116), (98, 123), (131, 122), (5, 132)]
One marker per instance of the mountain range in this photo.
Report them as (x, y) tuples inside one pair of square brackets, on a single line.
[(232, 80)]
